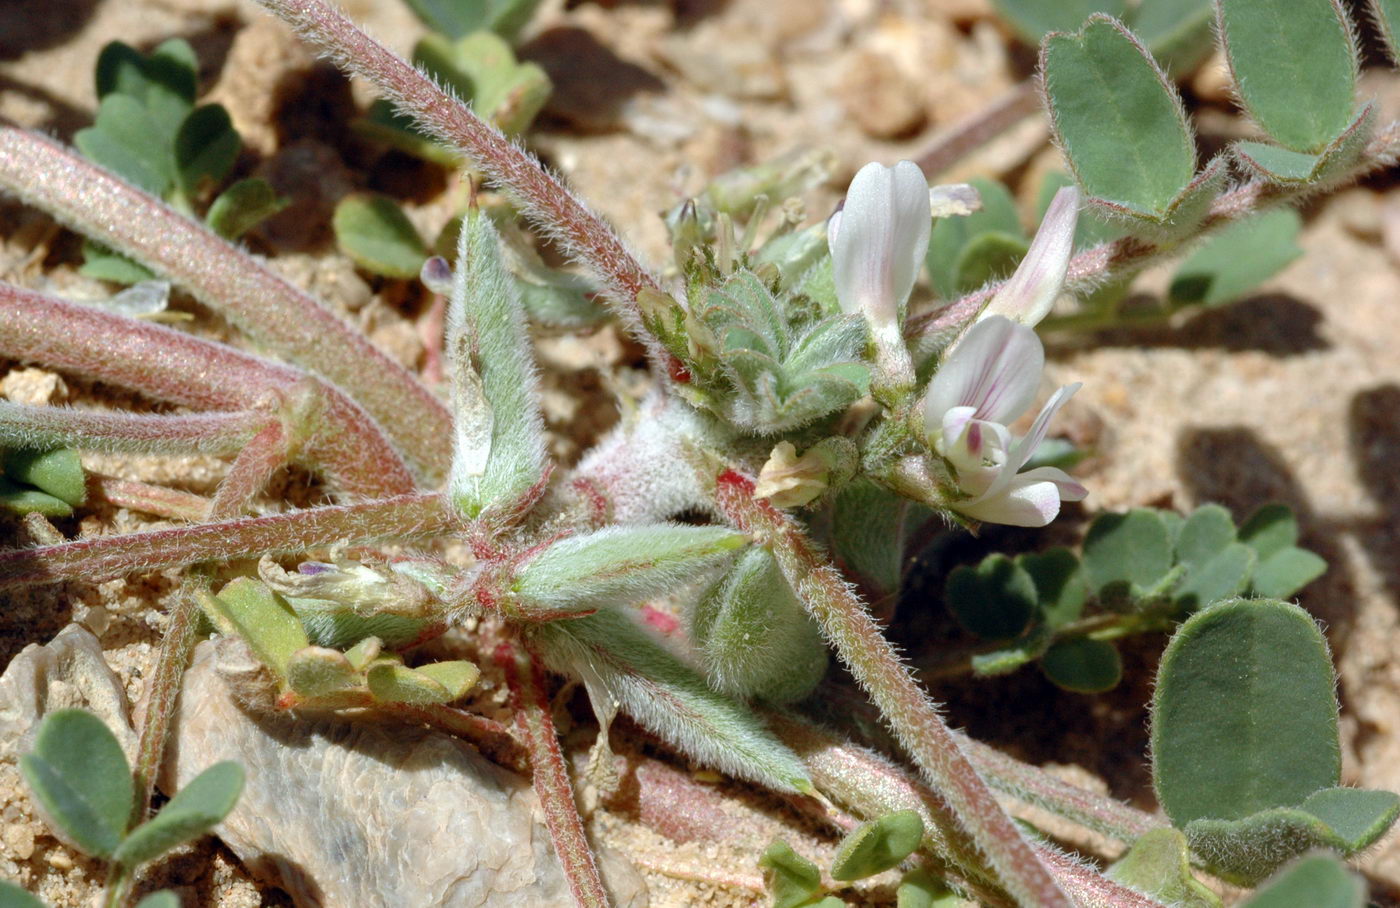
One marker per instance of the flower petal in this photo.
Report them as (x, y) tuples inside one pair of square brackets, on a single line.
[(1025, 448), (1030, 292), (995, 368), (1070, 488), (878, 241), (1025, 502)]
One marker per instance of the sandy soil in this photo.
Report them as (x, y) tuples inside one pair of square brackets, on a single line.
[(1290, 396)]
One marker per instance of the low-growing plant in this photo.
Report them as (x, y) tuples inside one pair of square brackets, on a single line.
[(83, 787), (805, 399)]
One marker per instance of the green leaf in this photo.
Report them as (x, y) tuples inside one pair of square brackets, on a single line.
[(105, 265), (1294, 66), (921, 889), (1284, 573), (1059, 585), (262, 618), (1317, 880), (619, 565), (196, 808), (1034, 19), (378, 236), (951, 236), (1119, 121), (243, 206), (878, 845), (317, 672), (166, 898), (1091, 229), (171, 69), (869, 530), (394, 683), (1237, 259), (383, 123), (1358, 817), (23, 500), (458, 18), (1283, 569), (996, 600), (57, 472), (127, 140), (1178, 32), (754, 636), (988, 257), (12, 896), (1245, 713), (205, 148), (1222, 577), (1010, 658), (1246, 851), (482, 67), (1159, 864), (81, 780), (1083, 665), (625, 667), (791, 879), (1127, 552), (1204, 535), (500, 445), (457, 676)]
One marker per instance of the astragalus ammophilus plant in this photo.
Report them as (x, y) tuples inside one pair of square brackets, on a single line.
[(811, 413)]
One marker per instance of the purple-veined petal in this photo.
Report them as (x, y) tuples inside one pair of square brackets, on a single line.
[(1026, 447), (1025, 502), (978, 451), (995, 368), (878, 241), (1028, 295)]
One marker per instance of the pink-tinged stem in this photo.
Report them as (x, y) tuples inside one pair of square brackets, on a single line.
[(106, 557), (544, 200), (128, 433), (871, 785), (265, 454), (330, 431), (277, 315), (152, 499), (163, 692), (530, 702), (1027, 783), (490, 737), (912, 716)]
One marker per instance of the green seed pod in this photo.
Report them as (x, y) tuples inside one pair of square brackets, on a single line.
[(754, 637)]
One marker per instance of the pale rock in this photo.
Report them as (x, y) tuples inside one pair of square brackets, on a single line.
[(353, 813), (882, 100), (33, 387), (67, 672)]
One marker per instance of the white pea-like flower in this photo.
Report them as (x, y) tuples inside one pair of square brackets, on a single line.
[(1028, 295), (878, 241), (989, 380)]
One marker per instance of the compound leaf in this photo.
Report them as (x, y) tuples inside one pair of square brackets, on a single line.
[(81, 780), (196, 808)]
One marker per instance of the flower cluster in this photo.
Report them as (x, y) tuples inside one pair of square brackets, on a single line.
[(990, 376)]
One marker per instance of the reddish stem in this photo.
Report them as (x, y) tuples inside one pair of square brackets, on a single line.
[(972, 132), (128, 433), (152, 499), (530, 702), (545, 200), (332, 431), (106, 557), (264, 455), (911, 715), (276, 314)]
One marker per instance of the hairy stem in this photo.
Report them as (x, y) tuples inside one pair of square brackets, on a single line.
[(151, 499), (1095, 267), (127, 433), (550, 774), (1102, 814), (264, 455), (851, 630), (106, 557), (333, 432), (489, 736), (871, 785), (543, 199), (163, 691), (270, 310)]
